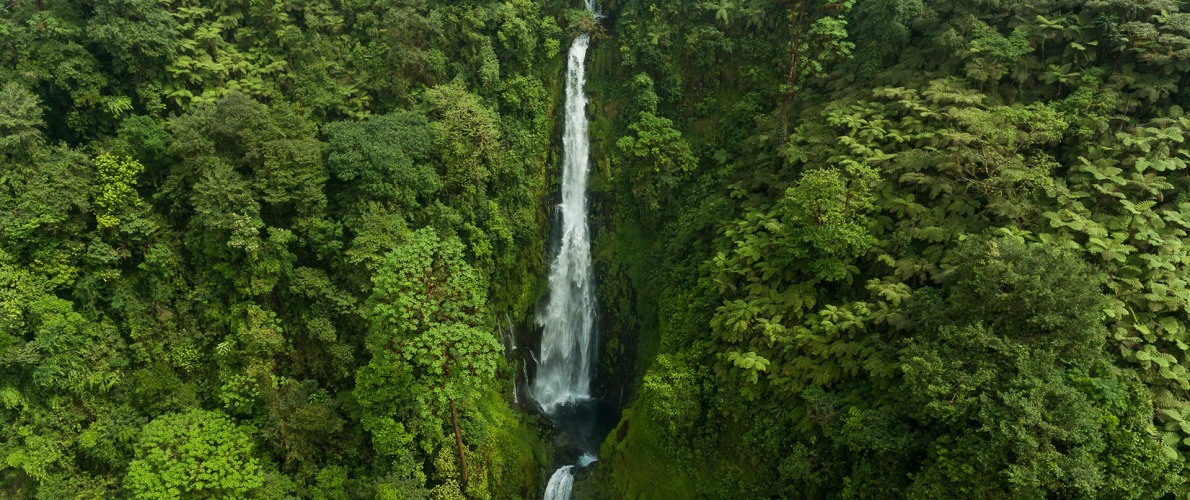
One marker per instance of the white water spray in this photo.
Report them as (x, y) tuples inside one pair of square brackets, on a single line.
[(563, 479), (511, 331), (560, 484), (568, 321)]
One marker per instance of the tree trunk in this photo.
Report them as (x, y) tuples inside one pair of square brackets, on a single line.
[(797, 23), (454, 417)]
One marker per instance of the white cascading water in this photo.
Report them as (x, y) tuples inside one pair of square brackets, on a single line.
[(560, 484), (563, 479), (568, 321)]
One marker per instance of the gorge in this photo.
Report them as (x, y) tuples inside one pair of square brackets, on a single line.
[(501, 249), (562, 387)]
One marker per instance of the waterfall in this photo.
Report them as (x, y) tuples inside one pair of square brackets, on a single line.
[(568, 321), (511, 331), (560, 484), (563, 479)]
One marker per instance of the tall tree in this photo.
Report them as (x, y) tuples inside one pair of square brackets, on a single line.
[(429, 328)]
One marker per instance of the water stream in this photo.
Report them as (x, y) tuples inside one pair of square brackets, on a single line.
[(563, 479), (568, 319), (560, 484)]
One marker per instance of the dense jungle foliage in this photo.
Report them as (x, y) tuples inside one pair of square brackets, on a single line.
[(845, 248), (905, 248), (256, 249)]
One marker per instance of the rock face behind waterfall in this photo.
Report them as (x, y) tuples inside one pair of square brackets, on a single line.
[(568, 320)]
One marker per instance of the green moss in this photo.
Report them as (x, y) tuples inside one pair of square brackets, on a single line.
[(514, 455), (635, 465), (636, 462)]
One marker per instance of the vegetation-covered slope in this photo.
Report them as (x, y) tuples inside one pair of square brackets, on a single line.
[(877, 248), (270, 238), (903, 247)]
